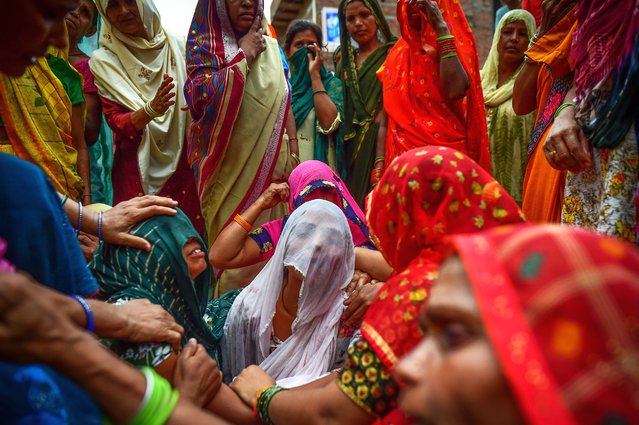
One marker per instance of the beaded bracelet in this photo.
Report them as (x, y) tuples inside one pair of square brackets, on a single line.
[(449, 55), (77, 230), (159, 400), (100, 226), (562, 107), (319, 91), (243, 222), (263, 402), (87, 311)]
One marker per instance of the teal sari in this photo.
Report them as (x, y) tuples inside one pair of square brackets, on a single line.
[(302, 104), (161, 275)]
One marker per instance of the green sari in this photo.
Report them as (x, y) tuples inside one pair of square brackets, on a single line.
[(362, 101), (161, 275), (302, 103)]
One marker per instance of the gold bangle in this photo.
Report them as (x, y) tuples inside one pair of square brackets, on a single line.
[(243, 222), (296, 157)]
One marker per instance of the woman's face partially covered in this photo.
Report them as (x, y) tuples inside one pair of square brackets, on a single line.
[(195, 257), (453, 376)]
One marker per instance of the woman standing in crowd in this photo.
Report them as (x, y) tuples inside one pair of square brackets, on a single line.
[(542, 84), (239, 97), (425, 195), (362, 21), (288, 319), (82, 25), (317, 97), (432, 90), (508, 132), (41, 121), (516, 352), (595, 138), (135, 70)]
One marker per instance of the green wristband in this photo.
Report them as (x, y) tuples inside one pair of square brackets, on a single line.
[(444, 37), (449, 55)]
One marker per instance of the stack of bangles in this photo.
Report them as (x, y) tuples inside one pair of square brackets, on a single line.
[(150, 111), (243, 222), (159, 400), (378, 169), (262, 402), (446, 46)]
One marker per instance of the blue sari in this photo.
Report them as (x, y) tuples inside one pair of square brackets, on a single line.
[(41, 242)]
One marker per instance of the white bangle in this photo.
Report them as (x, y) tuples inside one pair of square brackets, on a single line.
[(150, 111)]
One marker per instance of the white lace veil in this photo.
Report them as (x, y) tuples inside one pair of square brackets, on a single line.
[(316, 241)]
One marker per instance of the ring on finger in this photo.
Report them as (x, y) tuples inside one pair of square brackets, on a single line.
[(552, 153)]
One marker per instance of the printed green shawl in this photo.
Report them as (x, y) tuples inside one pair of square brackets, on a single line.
[(161, 275), (302, 104), (362, 101)]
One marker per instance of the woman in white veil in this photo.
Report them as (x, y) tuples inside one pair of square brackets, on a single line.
[(288, 319)]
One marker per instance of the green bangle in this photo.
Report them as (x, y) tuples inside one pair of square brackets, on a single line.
[(449, 55), (64, 200), (264, 400), (444, 37), (159, 400), (561, 108), (379, 158)]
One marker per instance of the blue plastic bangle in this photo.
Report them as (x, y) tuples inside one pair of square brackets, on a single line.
[(87, 310), (100, 226)]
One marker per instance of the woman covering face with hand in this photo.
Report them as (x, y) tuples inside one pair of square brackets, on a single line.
[(317, 97)]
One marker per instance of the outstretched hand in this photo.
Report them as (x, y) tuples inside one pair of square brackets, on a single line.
[(118, 221), (165, 96)]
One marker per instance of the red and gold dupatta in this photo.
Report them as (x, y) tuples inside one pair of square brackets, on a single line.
[(425, 195)]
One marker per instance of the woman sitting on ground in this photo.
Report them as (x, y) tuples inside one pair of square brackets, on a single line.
[(424, 196), (288, 319), (310, 180)]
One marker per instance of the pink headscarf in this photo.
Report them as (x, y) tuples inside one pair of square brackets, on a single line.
[(311, 175)]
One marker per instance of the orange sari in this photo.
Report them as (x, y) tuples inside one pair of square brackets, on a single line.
[(418, 112), (543, 191)]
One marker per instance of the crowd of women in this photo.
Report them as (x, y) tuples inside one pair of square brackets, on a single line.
[(400, 284)]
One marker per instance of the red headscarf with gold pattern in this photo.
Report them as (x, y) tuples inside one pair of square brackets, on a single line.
[(425, 195), (561, 308)]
